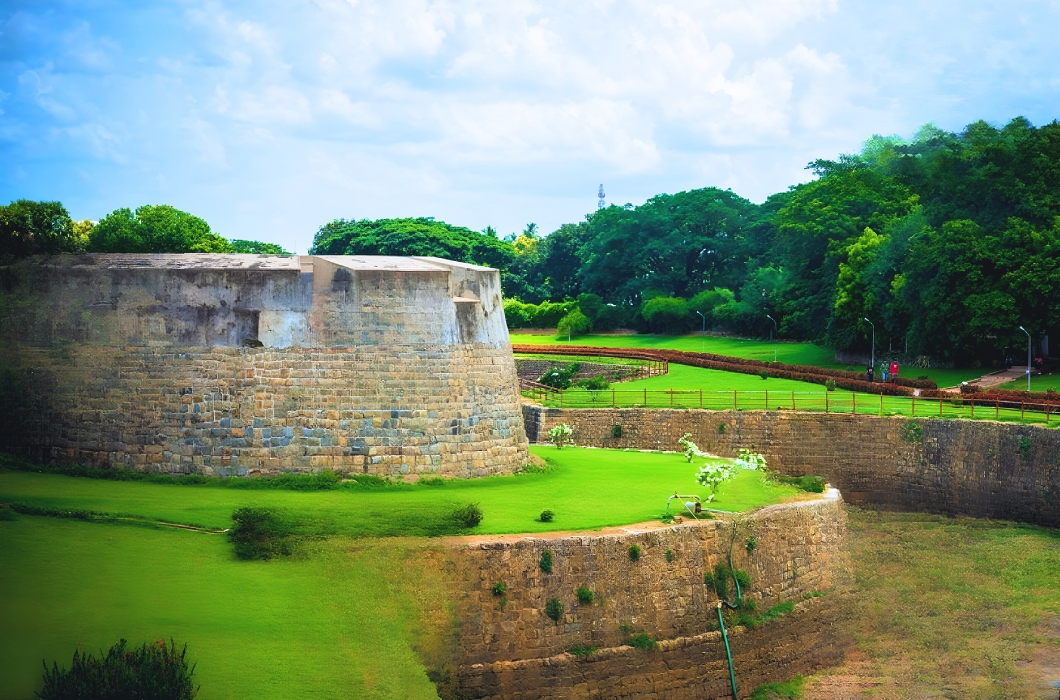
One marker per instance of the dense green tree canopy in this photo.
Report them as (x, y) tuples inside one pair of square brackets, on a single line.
[(154, 229), (36, 228), (45, 228)]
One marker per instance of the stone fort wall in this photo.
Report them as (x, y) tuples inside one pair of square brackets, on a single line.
[(235, 364), (514, 651), (960, 467)]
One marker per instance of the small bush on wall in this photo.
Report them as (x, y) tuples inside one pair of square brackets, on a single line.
[(634, 552), (546, 561), (554, 609), (912, 432), (585, 596)]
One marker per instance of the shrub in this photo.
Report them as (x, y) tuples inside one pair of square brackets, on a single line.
[(258, 534), (554, 609), (669, 555), (751, 544), (721, 428), (597, 383), (912, 432), (634, 552), (469, 516), (666, 314), (810, 484), (560, 435), (764, 374), (499, 589), (585, 596), (830, 384), (719, 579), (581, 652), (546, 561), (642, 641), (616, 431), (153, 671), (560, 377), (547, 314), (1025, 447), (546, 516)]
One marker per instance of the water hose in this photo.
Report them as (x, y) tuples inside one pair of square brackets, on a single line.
[(728, 653), (721, 623)]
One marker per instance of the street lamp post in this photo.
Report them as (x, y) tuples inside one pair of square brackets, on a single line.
[(1028, 357), (776, 334), (873, 363), (704, 321)]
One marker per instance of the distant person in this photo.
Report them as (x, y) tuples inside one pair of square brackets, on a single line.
[(870, 375), (894, 372)]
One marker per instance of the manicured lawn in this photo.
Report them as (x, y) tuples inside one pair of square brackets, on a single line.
[(326, 625), (685, 377), (1042, 382), (747, 348), (636, 485), (343, 618)]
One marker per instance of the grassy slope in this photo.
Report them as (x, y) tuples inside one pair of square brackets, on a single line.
[(947, 607), (792, 353), (636, 483), (1042, 382), (325, 622), (328, 625)]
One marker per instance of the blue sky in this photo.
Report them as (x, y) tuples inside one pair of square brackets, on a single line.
[(269, 119)]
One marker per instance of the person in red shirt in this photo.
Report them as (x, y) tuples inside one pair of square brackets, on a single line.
[(893, 373)]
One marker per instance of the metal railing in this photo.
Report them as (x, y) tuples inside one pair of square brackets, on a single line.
[(825, 401)]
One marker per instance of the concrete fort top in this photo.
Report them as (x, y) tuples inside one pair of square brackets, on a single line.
[(275, 301)]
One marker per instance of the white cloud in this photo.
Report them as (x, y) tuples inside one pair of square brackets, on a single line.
[(486, 112)]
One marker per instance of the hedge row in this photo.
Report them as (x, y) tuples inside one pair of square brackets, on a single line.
[(815, 375), (1051, 398)]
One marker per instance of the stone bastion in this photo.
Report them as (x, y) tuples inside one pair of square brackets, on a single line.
[(237, 364), (509, 649)]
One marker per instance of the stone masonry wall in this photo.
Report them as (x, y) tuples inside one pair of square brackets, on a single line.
[(398, 410), (515, 651), (976, 468)]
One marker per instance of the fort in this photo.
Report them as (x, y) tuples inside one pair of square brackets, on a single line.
[(243, 364)]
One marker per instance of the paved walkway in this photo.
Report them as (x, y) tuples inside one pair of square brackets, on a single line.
[(994, 379)]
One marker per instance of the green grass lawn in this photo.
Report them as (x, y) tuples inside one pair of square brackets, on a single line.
[(746, 348), (344, 617), (326, 625), (636, 483), (1042, 382)]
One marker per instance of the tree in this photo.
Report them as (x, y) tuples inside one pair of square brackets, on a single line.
[(666, 314), (36, 228), (154, 229), (238, 245)]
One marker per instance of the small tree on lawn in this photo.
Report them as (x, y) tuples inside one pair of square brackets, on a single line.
[(560, 435), (715, 473), (690, 448)]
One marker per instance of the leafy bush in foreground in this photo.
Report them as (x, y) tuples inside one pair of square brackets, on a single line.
[(150, 672)]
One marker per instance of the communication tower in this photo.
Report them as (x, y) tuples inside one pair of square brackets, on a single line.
[(601, 204)]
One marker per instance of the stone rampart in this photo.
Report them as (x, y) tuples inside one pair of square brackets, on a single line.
[(977, 468), (231, 364), (511, 649)]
